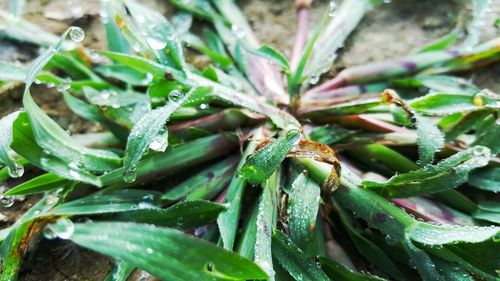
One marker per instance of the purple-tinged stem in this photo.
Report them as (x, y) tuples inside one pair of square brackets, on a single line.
[(302, 7), (433, 211), (450, 59)]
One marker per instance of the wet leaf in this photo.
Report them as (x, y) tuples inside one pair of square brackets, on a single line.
[(300, 265), (157, 250), (262, 164), (447, 174)]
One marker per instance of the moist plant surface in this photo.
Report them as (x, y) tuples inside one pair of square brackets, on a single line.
[(258, 166)]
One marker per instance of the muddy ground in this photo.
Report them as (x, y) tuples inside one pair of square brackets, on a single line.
[(392, 30)]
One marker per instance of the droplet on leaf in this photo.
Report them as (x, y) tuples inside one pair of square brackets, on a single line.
[(76, 34)]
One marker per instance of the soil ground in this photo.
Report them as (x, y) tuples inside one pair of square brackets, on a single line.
[(392, 30)]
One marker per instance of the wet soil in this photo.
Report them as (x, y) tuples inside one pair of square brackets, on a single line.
[(393, 30)]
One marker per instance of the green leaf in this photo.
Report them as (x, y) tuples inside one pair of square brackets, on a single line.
[(488, 211), (439, 83), (300, 265), (165, 253), (149, 132), (45, 182), (447, 174), (120, 272), (205, 184), (488, 133), (266, 223), (6, 123), (338, 272), (329, 134), (273, 56), (444, 104), (24, 144), (113, 98), (157, 32), (116, 201), (228, 220), (52, 138), (367, 248), (422, 261), (443, 42), (429, 138), (262, 164), (431, 234), (173, 160), (184, 215), (116, 41), (487, 178), (302, 210), (125, 74)]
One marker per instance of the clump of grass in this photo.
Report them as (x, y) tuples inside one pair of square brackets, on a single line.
[(249, 169)]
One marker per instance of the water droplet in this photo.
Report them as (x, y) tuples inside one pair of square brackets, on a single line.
[(76, 34), (159, 143), (204, 106), (481, 151), (7, 201), (237, 31), (52, 199), (149, 250), (390, 240), (332, 8), (148, 79), (293, 136), (175, 96), (17, 171), (172, 36), (130, 175), (140, 19), (147, 202), (156, 43), (180, 221), (62, 228), (314, 79)]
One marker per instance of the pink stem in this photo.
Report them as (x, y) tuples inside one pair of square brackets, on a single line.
[(300, 36)]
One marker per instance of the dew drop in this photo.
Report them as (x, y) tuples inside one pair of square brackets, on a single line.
[(314, 79), (130, 175), (237, 31), (7, 201), (76, 34), (175, 96), (293, 136), (390, 240), (204, 106), (180, 221), (159, 143), (156, 43), (481, 151), (148, 79), (149, 250), (16, 171), (62, 228), (140, 19), (332, 8)]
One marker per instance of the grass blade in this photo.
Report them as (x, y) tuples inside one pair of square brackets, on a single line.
[(158, 251)]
